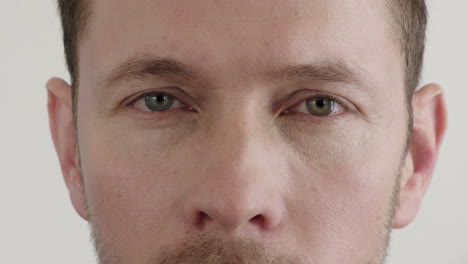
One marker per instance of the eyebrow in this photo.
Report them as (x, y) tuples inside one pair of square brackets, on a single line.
[(144, 66), (141, 67), (336, 70)]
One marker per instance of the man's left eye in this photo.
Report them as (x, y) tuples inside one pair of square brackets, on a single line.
[(320, 106), (156, 102)]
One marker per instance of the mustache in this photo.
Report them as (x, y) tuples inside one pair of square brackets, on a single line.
[(212, 250)]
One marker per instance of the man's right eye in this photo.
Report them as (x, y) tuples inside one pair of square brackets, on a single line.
[(155, 102)]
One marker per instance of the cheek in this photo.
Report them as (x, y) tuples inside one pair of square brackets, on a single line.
[(131, 184), (343, 186)]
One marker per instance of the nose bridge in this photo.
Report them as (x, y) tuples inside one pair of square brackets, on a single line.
[(238, 183), (243, 121), (241, 144)]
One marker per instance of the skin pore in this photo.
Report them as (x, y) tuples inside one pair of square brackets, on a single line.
[(237, 170)]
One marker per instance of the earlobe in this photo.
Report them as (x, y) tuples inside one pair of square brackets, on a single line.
[(77, 194), (65, 140), (430, 123)]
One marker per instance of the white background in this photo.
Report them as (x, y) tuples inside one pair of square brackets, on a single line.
[(38, 223)]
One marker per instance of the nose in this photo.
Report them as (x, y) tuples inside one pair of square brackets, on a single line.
[(238, 187)]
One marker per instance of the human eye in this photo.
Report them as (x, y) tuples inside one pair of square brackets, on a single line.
[(156, 102), (320, 106)]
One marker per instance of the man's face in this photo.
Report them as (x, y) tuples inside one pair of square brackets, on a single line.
[(271, 145)]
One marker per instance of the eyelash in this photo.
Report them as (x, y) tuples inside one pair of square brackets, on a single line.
[(293, 97)]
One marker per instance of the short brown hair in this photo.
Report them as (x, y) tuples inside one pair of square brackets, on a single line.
[(410, 17), (75, 15)]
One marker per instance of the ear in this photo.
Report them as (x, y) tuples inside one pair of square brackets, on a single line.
[(430, 123), (65, 140)]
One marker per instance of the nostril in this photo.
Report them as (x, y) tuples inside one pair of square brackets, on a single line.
[(258, 220), (202, 219)]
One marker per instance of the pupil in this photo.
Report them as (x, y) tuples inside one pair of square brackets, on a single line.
[(320, 103)]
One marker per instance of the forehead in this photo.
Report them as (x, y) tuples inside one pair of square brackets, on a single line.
[(239, 36)]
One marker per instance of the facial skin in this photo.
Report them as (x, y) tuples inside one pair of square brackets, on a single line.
[(234, 172)]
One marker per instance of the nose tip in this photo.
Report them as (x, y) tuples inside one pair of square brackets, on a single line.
[(236, 194), (232, 216)]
